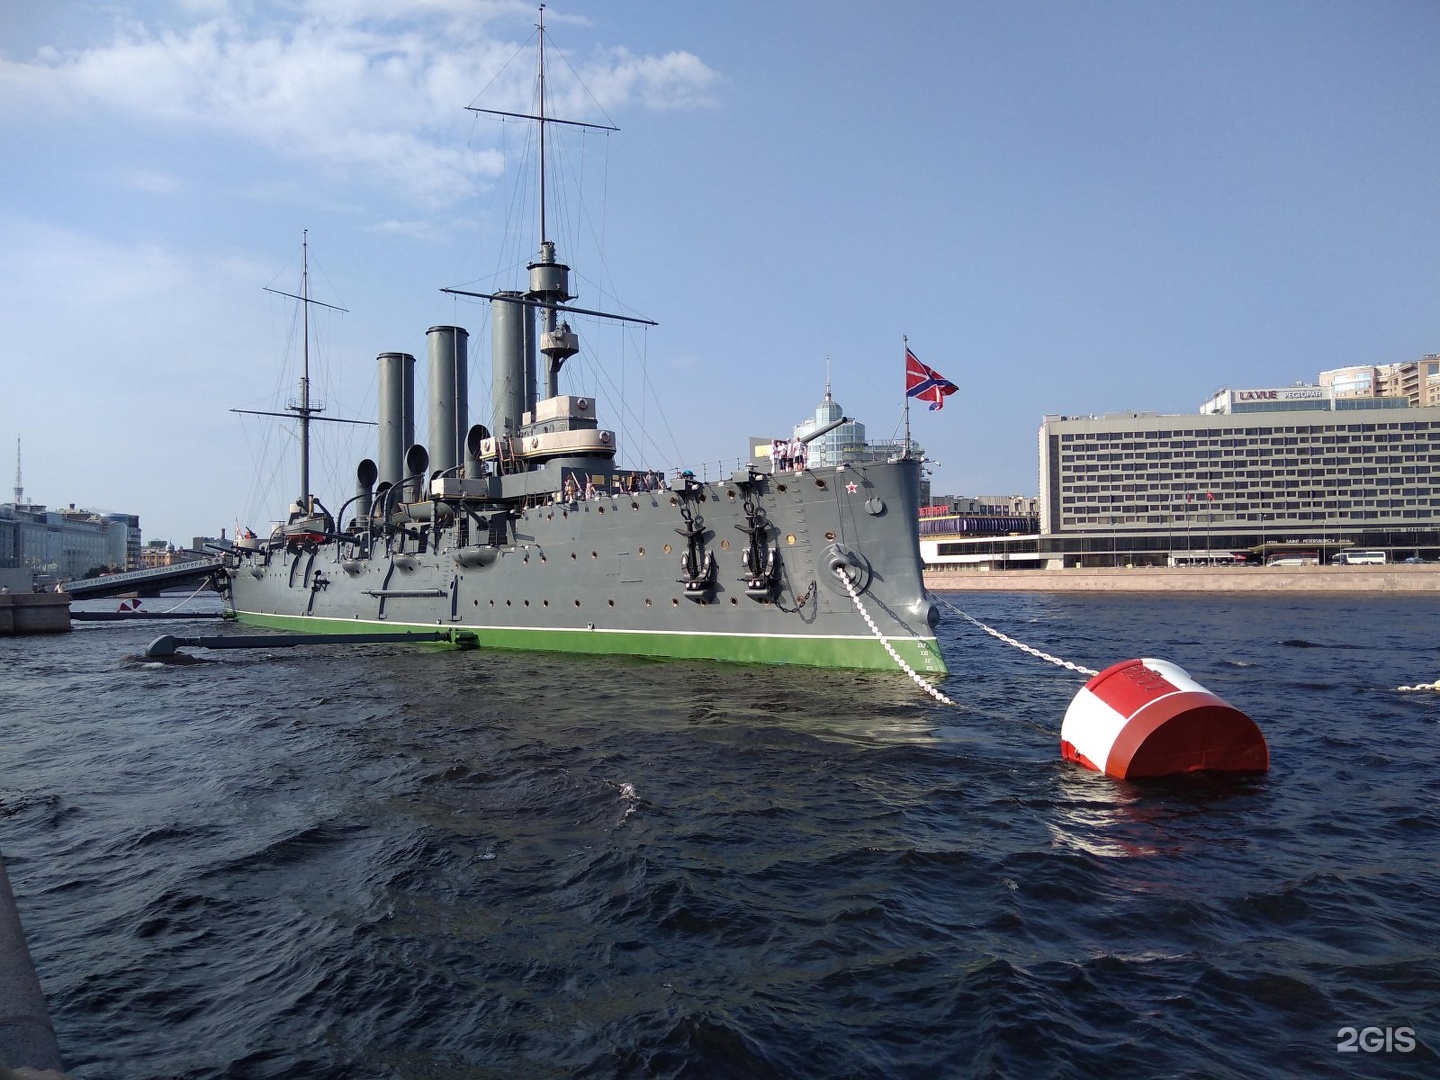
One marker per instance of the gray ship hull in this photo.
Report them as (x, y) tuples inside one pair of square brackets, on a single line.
[(605, 574)]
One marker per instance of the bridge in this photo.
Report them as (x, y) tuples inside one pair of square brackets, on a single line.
[(146, 582)]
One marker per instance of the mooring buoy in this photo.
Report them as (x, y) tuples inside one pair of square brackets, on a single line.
[(1144, 718)]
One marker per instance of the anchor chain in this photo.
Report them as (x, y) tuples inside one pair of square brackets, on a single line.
[(799, 603), (914, 675), (1068, 665)]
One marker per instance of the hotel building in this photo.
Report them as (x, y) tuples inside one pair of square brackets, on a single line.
[(1319, 465)]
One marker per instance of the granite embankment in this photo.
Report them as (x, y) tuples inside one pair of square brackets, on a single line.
[(1399, 578)]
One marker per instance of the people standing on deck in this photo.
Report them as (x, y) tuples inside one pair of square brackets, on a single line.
[(572, 489)]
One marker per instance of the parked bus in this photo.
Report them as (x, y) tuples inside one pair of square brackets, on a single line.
[(1360, 558), (1295, 558), (1204, 558)]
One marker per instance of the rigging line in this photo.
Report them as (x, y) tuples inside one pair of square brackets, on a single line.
[(523, 47), (624, 409), (586, 88), (664, 420)]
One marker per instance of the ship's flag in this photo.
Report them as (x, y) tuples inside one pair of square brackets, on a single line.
[(925, 383)]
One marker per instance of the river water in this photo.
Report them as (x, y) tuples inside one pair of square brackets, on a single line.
[(383, 861)]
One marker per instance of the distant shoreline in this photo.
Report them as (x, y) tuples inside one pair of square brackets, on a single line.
[(1395, 578)]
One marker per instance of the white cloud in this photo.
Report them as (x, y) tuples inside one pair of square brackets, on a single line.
[(347, 85), (152, 182), (676, 80)]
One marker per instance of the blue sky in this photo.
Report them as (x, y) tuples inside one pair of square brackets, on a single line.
[(1067, 207)]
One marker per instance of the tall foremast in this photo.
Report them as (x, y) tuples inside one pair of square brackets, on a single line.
[(549, 277)]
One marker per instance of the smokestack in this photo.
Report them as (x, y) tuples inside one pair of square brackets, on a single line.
[(512, 362), (449, 401), (397, 414)]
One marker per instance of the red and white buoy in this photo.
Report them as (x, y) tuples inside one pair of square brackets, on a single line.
[(1149, 718)]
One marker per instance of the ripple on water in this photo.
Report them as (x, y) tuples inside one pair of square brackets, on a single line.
[(414, 863)]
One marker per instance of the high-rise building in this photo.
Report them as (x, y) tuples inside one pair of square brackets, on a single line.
[(1136, 486), (1416, 381)]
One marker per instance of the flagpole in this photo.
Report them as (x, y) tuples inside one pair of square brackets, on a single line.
[(906, 340)]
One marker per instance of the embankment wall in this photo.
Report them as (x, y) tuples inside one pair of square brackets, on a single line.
[(1398, 578)]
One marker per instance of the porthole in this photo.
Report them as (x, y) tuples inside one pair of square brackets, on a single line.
[(733, 601), (507, 603), (527, 603), (674, 602), (640, 552), (572, 556), (820, 483), (781, 488), (790, 539), (667, 549), (634, 506), (829, 536), (732, 496), (544, 603), (610, 602), (673, 502), (724, 545), (477, 603), (647, 601), (492, 603), (601, 509), (577, 603), (594, 554)]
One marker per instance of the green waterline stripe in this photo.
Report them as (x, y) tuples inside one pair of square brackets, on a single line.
[(843, 651)]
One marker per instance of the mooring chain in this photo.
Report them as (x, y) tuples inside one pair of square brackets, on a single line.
[(1019, 644), (855, 599)]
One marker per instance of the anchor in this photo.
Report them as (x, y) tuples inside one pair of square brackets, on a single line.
[(697, 566), (762, 560)]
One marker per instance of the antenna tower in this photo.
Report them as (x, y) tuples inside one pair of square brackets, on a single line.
[(19, 486)]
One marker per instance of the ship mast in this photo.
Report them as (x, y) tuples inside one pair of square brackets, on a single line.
[(549, 278), (304, 408), (541, 118), (906, 341)]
